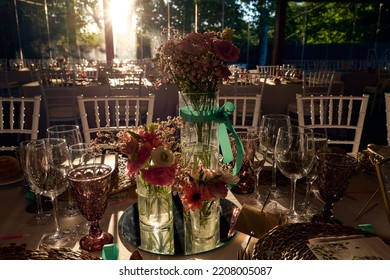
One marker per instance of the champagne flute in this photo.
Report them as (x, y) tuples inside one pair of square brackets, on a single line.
[(34, 180), (55, 154), (273, 122), (72, 135), (294, 155)]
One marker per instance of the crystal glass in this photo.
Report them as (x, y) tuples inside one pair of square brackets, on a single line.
[(42, 217), (273, 122), (72, 135), (91, 185), (250, 140), (321, 146), (294, 156), (82, 154), (49, 164), (258, 160), (335, 171)]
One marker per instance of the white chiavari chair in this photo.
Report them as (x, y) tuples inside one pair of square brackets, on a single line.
[(19, 116), (341, 117), (113, 112), (58, 90)]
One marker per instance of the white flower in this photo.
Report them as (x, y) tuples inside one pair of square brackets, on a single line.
[(162, 157)]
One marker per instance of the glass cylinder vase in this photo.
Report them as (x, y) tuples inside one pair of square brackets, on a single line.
[(155, 210), (199, 139), (202, 227)]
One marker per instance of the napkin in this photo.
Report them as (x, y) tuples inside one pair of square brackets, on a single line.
[(253, 221), (352, 247)]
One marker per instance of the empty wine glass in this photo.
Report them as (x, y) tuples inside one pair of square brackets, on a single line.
[(257, 162), (82, 154), (273, 122), (91, 185), (321, 145), (34, 179), (72, 135), (294, 155), (335, 171), (54, 155)]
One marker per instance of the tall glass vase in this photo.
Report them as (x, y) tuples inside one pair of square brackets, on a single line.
[(202, 227), (155, 210), (199, 139)]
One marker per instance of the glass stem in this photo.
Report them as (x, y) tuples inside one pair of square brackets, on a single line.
[(307, 194), (38, 197), (55, 211), (293, 191), (273, 186)]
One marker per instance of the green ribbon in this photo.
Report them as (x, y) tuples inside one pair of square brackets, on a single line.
[(220, 116)]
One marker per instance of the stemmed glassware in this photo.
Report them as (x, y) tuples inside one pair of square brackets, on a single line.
[(294, 155), (91, 184), (258, 160), (35, 181), (250, 141), (72, 135), (321, 146), (48, 164), (273, 122), (82, 154), (335, 171)]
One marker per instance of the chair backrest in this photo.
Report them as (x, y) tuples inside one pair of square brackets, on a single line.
[(58, 90), (341, 117), (19, 116), (387, 104), (125, 84), (269, 69), (114, 112), (247, 109), (317, 82)]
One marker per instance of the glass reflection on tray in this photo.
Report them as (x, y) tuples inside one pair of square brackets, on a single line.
[(129, 230)]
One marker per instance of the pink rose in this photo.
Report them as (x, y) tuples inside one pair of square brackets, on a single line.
[(159, 176), (226, 51)]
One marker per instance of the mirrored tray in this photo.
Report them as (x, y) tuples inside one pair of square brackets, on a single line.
[(129, 231)]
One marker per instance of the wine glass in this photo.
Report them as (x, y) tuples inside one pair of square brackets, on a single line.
[(82, 154), (258, 160), (321, 146), (91, 185), (53, 153), (249, 141), (273, 122), (34, 180), (335, 171), (72, 135), (294, 156)]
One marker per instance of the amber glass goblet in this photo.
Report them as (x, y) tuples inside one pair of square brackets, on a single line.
[(334, 173), (91, 185)]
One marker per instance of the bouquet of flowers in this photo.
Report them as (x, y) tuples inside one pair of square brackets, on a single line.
[(196, 61), (151, 151)]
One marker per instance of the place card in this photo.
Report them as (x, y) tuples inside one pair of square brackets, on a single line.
[(353, 247)]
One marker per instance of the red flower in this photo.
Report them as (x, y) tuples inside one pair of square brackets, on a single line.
[(159, 176), (192, 197), (226, 51)]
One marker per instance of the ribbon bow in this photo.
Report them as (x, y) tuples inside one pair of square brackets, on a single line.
[(220, 115)]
